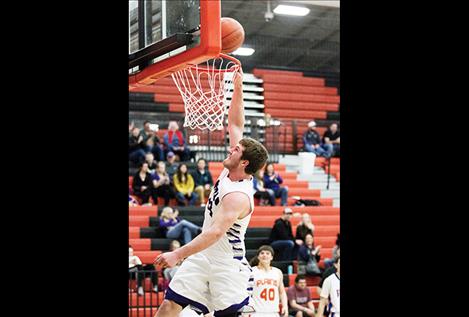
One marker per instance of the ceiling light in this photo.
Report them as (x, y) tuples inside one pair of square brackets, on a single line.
[(291, 10), (244, 51)]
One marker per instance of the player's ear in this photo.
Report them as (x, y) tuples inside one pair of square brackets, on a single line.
[(244, 163)]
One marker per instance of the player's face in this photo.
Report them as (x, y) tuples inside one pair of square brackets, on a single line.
[(301, 284), (265, 257), (234, 157)]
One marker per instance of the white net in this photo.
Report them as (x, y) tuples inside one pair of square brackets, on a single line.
[(203, 89)]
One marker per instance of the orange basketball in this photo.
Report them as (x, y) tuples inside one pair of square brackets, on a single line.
[(232, 35)]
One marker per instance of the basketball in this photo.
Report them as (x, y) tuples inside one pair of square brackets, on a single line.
[(232, 35)]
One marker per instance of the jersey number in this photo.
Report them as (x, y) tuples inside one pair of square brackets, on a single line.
[(271, 294), (215, 197)]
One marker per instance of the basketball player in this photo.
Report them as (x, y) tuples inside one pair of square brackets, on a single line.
[(215, 275), (268, 287), (331, 291)]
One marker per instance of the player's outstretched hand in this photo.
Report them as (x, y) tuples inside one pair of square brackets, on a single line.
[(167, 259), (238, 79)]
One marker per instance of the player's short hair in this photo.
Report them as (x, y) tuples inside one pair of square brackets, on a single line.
[(265, 248), (255, 153), (299, 277)]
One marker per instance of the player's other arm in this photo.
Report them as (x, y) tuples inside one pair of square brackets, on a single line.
[(324, 297), (322, 305), (233, 206), (283, 296), (236, 111)]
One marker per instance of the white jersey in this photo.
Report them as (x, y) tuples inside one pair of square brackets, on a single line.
[(331, 290), (232, 243), (265, 294)]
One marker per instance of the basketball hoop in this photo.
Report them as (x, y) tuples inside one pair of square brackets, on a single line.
[(203, 89)]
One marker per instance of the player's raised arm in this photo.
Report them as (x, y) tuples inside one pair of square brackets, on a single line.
[(234, 205), (236, 111)]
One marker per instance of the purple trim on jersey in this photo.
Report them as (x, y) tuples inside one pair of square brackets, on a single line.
[(235, 230), (238, 249), (236, 225), (234, 241), (232, 309), (251, 279), (238, 257), (249, 288), (231, 234), (184, 301)]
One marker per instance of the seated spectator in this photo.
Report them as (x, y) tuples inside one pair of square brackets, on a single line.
[(184, 185), (174, 142), (152, 164), (272, 181), (136, 147), (171, 165), (174, 227), (332, 139), (169, 272), (162, 184), (152, 141), (300, 302), (335, 253), (142, 185), (203, 181), (312, 142), (265, 197), (310, 256), (138, 271), (305, 227), (281, 237)]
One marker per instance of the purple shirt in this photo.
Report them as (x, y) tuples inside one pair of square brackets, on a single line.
[(272, 184)]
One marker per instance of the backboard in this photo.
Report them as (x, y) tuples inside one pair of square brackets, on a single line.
[(168, 35)]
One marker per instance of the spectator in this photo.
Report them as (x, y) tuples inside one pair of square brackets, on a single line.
[(184, 184), (265, 197), (162, 184), (305, 227), (152, 140), (312, 142), (203, 181), (310, 256), (139, 271), (171, 165), (152, 164), (330, 292), (142, 185), (281, 237), (332, 139), (299, 299), (272, 181), (174, 227), (136, 147), (174, 141), (169, 272), (335, 253)]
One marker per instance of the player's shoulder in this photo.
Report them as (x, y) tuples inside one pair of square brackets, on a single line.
[(277, 271)]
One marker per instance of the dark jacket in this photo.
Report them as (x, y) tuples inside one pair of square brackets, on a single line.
[(311, 137), (272, 184), (282, 230), (137, 183), (302, 231), (134, 145), (304, 254), (201, 180)]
